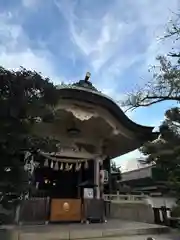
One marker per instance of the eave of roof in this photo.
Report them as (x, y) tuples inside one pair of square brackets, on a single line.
[(93, 97)]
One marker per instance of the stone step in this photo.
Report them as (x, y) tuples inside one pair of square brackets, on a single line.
[(14, 234)]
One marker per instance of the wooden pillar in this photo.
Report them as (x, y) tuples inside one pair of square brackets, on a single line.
[(79, 181), (107, 167), (96, 177)]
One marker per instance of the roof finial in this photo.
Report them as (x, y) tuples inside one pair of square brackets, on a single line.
[(87, 77)]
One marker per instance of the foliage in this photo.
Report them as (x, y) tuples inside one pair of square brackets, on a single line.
[(165, 151), (165, 82), (175, 211), (114, 167), (115, 177), (25, 99), (164, 86)]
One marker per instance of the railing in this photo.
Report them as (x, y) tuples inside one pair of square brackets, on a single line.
[(125, 198)]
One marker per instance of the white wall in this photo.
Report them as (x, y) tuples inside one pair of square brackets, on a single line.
[(158, 202), (137, 174)]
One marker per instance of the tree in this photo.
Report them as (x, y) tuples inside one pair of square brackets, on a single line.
[(164, 86), (165, 82), (115, 177), (165, 151), (25, 98)]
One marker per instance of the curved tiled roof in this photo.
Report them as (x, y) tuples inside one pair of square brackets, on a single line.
[(85, 91)]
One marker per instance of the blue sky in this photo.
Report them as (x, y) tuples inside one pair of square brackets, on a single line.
[(115, 40)]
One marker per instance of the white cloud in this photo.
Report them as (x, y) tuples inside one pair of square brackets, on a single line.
[(97, 39), (113, 29), (30, 3), (15, 50), (27, 59), (103, 39)]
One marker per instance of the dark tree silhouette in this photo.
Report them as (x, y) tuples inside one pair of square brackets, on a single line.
[(25, 98)]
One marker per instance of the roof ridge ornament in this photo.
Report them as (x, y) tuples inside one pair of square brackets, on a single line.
[(87, 77), (83, 84), (86, 84)]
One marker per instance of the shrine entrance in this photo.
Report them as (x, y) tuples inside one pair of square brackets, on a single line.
[(90, 128), (64, 182)]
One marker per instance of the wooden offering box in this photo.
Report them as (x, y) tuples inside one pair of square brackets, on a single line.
[(63, 210)]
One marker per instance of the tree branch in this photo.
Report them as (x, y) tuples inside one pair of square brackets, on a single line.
[(174, 54), (158, 100)]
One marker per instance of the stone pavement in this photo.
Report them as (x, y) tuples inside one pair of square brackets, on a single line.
[(114, 228), (144, 237)]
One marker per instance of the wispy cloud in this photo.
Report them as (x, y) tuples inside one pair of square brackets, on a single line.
[(31, 4), (16, 50), (96, 37), (117, 37)]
